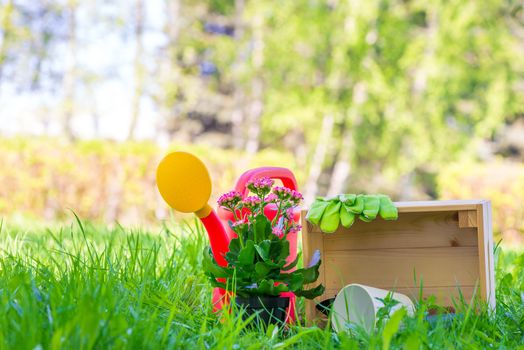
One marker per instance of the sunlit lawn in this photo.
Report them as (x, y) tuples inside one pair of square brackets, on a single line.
[(83, 286)]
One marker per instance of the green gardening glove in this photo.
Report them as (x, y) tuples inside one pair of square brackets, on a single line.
[(347, 199), (347, 218), (387, 211), (331, 217), (371, 208), (317, 210), (358, 205)]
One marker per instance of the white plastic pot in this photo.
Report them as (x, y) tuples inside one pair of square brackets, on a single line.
[(358, 304)]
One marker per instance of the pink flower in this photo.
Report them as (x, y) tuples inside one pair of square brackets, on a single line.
[(277, 231), (289, 213), (230, 199), (261, 186), (239, 223), (296, 197), (282, 192), (271, 198), (251, 202)]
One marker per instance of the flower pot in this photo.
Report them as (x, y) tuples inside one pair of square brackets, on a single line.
[(269, 309)]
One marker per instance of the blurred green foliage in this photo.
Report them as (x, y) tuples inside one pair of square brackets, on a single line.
[(107, 181), (407, 85), (103, 180), (500, 181)]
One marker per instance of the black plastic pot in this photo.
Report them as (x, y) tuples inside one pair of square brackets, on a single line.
[(269, 310)]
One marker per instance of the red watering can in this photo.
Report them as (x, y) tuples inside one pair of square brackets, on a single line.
[(184, 183)]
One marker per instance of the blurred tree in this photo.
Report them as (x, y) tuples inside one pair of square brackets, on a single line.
[(139, 69), (28, 33), (71, 70)]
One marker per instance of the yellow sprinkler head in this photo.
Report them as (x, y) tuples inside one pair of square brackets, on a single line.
[(184, 183)]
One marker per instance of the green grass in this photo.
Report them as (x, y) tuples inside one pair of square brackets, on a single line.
[(82, 286)]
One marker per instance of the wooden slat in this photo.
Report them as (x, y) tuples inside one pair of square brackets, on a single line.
[(488, 236), (311, 242), (411, 230), (399, 267), (485, 249), (432, 206)]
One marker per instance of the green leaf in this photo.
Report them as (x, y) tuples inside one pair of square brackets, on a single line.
[(296, 281), (263, 249), (209, 265), (262, 269), (247, 254), (310, 273), (261, 228), (316, 211), (392, 327), (331, 217), (311, 293), (283, 247), (235, 245), (292, 264), (267, 287)]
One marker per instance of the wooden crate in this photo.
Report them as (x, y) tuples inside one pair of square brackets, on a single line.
[(444, 245)]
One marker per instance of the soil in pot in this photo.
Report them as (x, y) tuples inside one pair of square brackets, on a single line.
[(269, 310)]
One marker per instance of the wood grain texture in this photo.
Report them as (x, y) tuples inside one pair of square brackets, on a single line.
[(402, 267), (310, 242), (432, 206), (468, 218), (411, 230)]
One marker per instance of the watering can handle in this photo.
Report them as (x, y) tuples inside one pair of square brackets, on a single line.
[(283, 174)]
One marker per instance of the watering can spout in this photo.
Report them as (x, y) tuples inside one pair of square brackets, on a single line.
[(184, 183), (218, 237)]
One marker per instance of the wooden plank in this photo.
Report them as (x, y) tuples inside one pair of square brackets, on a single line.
[(488, 232), (482, 255), (312, 241), (411, 230), (432, 206), (468, 218), (402, 267), (485, 248)]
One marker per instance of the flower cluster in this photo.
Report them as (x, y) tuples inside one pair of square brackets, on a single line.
[(283, 203), (296, 197), (252, 203), (230, 200), (260, 186), (282, 192)]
